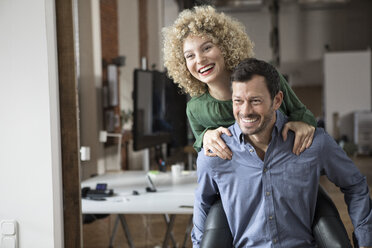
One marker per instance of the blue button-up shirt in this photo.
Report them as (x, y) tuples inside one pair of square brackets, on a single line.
[(271, 203)]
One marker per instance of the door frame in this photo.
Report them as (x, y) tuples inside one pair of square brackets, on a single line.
[(69, 121)]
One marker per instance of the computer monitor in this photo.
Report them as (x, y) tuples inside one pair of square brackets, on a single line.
[(159, 111)]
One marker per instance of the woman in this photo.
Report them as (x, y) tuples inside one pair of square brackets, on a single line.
[(200, 50)]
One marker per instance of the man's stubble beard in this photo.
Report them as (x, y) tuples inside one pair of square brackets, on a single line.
[(266, 121)]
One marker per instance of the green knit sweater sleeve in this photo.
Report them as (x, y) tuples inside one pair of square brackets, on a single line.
[(204, 113), (197, 129), (292, 107)]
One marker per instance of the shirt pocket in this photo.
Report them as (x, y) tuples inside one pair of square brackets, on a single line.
[(298, 172)]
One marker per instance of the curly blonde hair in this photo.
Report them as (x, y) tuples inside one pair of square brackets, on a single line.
[(203, 21)]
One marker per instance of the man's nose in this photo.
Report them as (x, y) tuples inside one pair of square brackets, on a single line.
[(246, 108)]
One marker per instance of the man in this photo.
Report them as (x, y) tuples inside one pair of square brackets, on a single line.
[(268, 193)]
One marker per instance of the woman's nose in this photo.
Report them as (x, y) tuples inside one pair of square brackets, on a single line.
[(200, 58)]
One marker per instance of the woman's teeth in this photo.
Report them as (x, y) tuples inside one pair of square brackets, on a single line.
[(204, 69)]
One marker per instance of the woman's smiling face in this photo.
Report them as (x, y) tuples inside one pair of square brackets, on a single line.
[(204, 59)]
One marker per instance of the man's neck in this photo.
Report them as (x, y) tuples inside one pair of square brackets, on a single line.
[(261, 140)]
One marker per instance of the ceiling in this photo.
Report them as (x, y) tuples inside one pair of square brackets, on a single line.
[(249, 5)]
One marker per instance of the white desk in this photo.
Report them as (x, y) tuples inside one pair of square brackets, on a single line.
[(173, 196)]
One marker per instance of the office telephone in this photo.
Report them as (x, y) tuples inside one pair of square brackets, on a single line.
[(100, 192)]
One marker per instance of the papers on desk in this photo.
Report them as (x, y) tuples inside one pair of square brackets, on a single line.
[(154, 173), (167, 176)]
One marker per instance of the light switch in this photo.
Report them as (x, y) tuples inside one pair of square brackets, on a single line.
[(8, 232), (8, 242), (8, 228)]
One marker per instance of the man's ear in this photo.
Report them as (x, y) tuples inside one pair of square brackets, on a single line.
[(278, 99)]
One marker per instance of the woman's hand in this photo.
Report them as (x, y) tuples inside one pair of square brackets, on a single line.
[(304, 134), (213, 144)]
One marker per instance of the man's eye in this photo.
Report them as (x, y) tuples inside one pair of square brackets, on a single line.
[(256, 101), (237, 101)]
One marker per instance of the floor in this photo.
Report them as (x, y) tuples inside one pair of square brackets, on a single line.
[(148, 230)]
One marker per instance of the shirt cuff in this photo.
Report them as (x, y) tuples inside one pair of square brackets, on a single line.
[(364, 237)]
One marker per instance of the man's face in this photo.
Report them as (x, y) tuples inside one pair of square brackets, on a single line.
[(254, 111)]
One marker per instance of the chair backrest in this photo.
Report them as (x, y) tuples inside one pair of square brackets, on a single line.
[(328, 229), (216, 230)]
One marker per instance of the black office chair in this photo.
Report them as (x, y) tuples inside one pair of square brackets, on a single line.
[(216, 230), (328, 229)]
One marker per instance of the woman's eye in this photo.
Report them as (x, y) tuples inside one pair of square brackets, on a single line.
[(207, 48), (188, 56)]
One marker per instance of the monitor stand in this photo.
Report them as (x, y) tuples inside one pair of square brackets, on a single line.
[(146, 159)]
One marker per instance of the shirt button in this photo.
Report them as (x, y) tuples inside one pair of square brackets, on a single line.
[(275, 240), (270, 217), (265, 170), (250, 150), (267, 193)]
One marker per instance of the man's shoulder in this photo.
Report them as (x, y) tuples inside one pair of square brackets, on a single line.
[(212, 162), (209, 162), (321, 135), (230, 140), (322, 140)]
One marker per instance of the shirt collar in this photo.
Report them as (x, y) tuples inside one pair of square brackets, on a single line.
[(281, 119)]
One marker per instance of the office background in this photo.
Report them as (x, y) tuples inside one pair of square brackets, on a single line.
[(306, 34), (30, 161)]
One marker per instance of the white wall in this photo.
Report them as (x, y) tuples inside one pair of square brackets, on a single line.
[(155, 13), (170, 12), (90, 85), (258, 26), (129, 47), (30, 176), (347, 84)]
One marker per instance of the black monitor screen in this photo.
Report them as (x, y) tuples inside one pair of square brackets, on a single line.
[(159, 111)]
